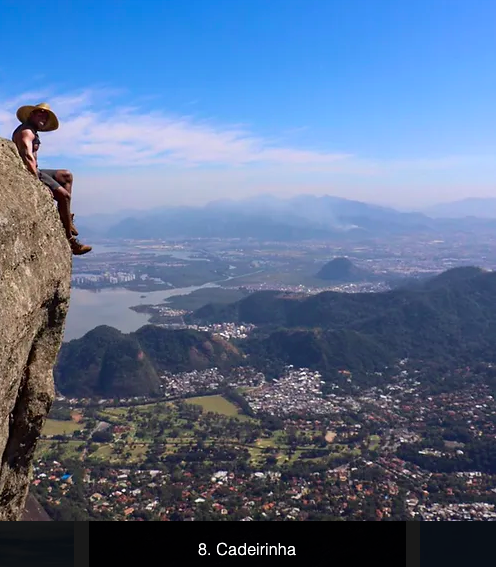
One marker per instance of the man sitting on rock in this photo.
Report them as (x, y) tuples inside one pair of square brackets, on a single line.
[(36, 119)]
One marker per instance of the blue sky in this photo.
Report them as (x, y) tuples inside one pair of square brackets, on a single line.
[(184, 102)]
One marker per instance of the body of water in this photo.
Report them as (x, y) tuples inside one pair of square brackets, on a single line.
[(89, 309)]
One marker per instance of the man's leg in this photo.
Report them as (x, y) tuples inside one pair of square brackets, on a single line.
[(64, 205), (62, 197), (62, 177)]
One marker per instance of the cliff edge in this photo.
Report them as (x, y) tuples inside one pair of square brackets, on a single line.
[(35, 275)]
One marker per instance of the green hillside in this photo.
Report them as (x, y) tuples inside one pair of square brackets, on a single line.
[(109, 363), (451, 317)]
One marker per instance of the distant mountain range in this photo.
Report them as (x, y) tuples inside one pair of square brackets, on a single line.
[(266, 217), (298, 218), (479, 208)]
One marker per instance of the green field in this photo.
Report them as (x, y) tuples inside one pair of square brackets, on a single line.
[(69, 448), (116, 412), (112, 412), (104, 452), (217, 404), (56, 427), (177, 425)]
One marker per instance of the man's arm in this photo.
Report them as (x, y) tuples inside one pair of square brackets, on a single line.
[(24, 143)]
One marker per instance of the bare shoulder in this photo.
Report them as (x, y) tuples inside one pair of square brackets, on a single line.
[(22, 132)]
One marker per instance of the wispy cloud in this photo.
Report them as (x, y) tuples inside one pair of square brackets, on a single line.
[(150, 157), (96, 130)]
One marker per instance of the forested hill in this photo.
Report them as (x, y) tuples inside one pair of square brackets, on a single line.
[(449, 317), (446, 295), (342, 270), (109, 363)]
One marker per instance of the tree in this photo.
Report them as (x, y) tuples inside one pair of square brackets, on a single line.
[(104, 436), (270, 461)]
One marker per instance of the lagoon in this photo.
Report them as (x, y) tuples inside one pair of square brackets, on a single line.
[(89, 309)]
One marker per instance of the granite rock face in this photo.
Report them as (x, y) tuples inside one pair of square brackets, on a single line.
[(35, 276)]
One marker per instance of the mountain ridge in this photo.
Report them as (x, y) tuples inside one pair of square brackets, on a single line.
[(269, 217), (476, 207), (301, 217), (451, 316)]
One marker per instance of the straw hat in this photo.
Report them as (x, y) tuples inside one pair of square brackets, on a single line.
[(52, 123)]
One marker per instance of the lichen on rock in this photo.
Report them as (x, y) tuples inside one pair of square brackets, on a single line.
[(35, 276)]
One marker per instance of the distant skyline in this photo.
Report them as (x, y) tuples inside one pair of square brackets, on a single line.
[(384, 102), (38, 544)]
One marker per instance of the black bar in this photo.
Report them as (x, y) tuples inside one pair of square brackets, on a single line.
[(412, 544), (464, 544), (311, 544), (81, 544)]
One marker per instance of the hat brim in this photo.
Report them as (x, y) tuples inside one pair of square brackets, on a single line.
[(51, 124)]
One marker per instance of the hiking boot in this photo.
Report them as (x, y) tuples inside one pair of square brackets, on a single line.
[(73, 228), (78, 248)]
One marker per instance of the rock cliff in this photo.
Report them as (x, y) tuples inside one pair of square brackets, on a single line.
[(35, 272)]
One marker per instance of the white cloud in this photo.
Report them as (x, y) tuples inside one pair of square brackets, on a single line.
[(150, 158), (102, 134)]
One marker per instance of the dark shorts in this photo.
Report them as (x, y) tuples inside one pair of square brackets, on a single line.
[(47, 176)]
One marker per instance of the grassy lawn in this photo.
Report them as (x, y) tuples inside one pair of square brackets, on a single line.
[(374, 442), (138, 453), (295, 457), (56, 427), (256, 455), (217, 404), (263, 443), (43, 448), (143, 408), (148, 408), (116, 412), (70, 449), (104, 452)]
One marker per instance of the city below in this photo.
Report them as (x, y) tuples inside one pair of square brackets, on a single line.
[(408, 440)]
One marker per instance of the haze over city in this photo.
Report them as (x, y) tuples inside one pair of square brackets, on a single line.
[(380, 102)]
